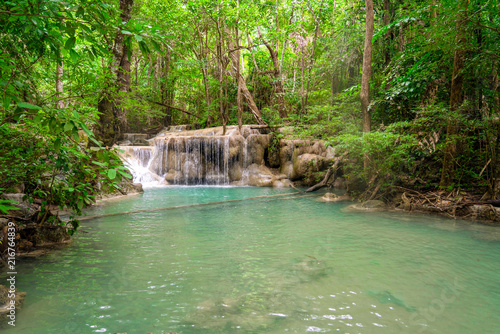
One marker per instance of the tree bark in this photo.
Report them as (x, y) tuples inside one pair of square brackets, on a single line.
[(311, 62), (113, 119), (242, 85), (330, 172), (456, 98), (239, 100), (365, 78), (278, 84), (367, 67), (121, 58), (387, 21), (59, 82)]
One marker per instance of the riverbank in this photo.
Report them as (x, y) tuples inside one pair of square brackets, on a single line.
[(448, 204)]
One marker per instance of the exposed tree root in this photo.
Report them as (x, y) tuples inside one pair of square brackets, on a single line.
[(452, 204), (329, 173)]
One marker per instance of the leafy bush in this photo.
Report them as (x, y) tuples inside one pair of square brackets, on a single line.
[(56, 156)]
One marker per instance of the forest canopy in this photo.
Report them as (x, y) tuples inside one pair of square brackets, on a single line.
[(79, 74)]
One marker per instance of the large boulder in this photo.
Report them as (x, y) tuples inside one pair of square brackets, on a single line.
[(306, 164), (236, 147), (235, 172), (256, 148), (259, 176)]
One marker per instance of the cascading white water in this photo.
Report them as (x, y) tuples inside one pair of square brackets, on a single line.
[(139, 161), (210, 157)]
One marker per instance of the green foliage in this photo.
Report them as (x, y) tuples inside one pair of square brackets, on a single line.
[(56, 156), (391, 154), (5, 207)]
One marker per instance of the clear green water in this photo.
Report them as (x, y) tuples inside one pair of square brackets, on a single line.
[(266, 265)]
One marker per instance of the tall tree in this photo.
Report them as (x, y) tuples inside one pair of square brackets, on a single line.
[(367, 67), (113, 120), (456, 97)]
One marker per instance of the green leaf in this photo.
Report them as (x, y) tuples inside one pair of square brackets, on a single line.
[(138, 38), (70, 43), (144, 48), (127, 175), (125, 32), (156, 46), (68, 126), (6, 102), (28, 106), (76, 136), (112, 174), (57, 145), (74, 55), (99, 164)]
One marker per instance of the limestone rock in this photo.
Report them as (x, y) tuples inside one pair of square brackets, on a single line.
[(137, 187), (371, 206), (5, 301), (26, 209), (259, 176), (331, 197), (235, 172), (285, 183), (256, 148), (125, 142), (306, 164), (339, 183)]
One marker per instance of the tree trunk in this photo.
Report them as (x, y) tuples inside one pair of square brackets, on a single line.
[(387, 21), (278, 84), (166, 87), (113, 119), (123, 69), (367, 68), (59, 82), (456, 99), (221, 76), (242, 85), (239, 100), (311, 62)]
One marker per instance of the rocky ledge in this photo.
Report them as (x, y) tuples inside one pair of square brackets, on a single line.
[(250, 155)]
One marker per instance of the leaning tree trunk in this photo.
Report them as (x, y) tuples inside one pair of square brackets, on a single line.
[(242, 85), (456, 99), (367, 69), (113, 119), (278, 83)]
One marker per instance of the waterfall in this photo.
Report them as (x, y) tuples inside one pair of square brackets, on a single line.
[(139, 159), (179, 156)]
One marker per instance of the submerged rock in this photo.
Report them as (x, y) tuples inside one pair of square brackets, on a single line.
[(386, 297), (10, 301), (331, 197), (371, 205), (137, 187)]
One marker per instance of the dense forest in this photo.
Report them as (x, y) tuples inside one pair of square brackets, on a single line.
[(408, 90)]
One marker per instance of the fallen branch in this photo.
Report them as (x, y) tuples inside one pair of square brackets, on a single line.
[(331, 171)]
